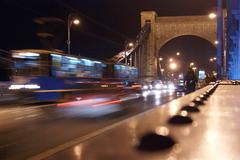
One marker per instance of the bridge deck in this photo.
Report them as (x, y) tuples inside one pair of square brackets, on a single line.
[(214, 133)]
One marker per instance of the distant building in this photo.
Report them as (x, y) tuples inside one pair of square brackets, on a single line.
[(233, 39)]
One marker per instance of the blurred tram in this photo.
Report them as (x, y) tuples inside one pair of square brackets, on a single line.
[(51, 71)]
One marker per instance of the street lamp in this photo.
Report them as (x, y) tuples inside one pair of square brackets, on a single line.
[(212, 15), (216, 42), (173, 66), (130, 44), (192, 64), (170, 60), (178, 53), (71, 20), (127, 47), (194, 69), (160, 59), (162, 70)]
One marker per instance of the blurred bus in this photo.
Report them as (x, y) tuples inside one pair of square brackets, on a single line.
[(53, 71)]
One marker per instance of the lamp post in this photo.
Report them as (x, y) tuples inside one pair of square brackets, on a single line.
[(192, 64), (129, 45), (71, 20)]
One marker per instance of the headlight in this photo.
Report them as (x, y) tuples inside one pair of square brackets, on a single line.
[(171, 86), (21, 86), (16, 87), (158, 86), (165, 86), (150, 86), (145, 87), (32, 86)]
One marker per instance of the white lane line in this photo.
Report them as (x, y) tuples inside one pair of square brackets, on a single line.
[(32, 115), (18, 118), (62, 147)]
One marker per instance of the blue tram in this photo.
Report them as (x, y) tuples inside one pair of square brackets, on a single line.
[(52, 71)]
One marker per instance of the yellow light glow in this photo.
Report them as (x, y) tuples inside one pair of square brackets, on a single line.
[(76, 21), (194, 68), (130, 44), (212, 15), (173, 66)]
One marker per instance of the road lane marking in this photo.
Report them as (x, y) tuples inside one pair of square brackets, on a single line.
[(73, 142), (81, 139), (62, 147)]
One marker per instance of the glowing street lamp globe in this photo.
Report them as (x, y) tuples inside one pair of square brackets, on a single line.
[(173, 66), (212, 15), (76, 21)]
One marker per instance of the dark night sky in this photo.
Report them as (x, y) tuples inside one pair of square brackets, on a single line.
[(106, 24)]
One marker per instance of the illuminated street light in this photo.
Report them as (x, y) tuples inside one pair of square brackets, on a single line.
[(162, 70), (192, 64), (216, 42), (194, 69), (173, 66), (160, 59), (130, 44), (211, 59), (71, 20), (212, 15), (170, 60), (178, 53), (214, 58), (76, 21)]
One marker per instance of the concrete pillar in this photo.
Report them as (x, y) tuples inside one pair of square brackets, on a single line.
[(149, 71)]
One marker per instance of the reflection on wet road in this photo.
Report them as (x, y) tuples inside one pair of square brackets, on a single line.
[(29, 130)]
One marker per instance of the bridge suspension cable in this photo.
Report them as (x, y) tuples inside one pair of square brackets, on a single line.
[(138, 42)]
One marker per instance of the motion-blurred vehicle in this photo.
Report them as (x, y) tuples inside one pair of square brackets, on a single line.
[(157, 85), (46, 74), (91, 106), (180, 86), (146, 86), (95, 104)]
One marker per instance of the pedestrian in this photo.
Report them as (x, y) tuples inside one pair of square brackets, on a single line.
[(207, 79), (190, 80)]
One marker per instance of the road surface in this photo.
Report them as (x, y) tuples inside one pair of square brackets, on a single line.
[(26, 131)]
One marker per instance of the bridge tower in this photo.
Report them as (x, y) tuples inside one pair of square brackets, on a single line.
[(156, 32), (148, 66)]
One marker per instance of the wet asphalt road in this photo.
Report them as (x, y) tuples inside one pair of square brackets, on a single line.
[(26, 131)]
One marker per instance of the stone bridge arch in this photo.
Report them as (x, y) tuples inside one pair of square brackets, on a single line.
[(164, 29), (160, 43)]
